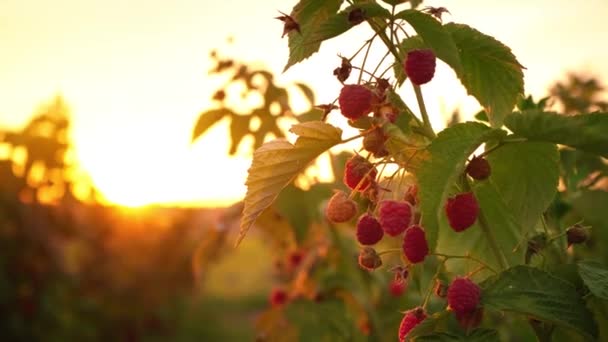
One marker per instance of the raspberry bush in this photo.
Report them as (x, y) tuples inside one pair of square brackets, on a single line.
[(479, 236)]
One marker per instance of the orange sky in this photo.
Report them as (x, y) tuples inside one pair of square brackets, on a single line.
[(134, 74)]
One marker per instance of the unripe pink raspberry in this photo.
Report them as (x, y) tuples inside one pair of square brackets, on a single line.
[(355, 101), (358, 170), (462, 211), (394, 216), (463, 296), (415, 246), (420, 66), (410, 320), (369, 231), (340, 208)]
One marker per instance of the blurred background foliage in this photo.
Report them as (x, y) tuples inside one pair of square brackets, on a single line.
[(72, 269)]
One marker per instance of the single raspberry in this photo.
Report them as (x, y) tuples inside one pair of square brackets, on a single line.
[(278, 297), (374, 142), (415, 246), (462, 211), (358, 170), (369, 231), (463, 296), (355, 101), (577, 234), (369, 259), (394, 216), (397, 287), (340, 208), (478, 168), (410, 320), (420, 66)]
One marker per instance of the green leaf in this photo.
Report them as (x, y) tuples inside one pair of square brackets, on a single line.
[(278, 162), (208, 119), (437, 175), (435, 36), (437, 322), (578, 166), (490, 71), (309, 14), (338, 23), (586, 132), (325, 321), (526, 176), (536, 293), (595, 276), (501, 224)]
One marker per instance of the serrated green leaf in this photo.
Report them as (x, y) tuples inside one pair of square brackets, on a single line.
[(586, 132), (595, 276), (437, 322), (434, 36), (325, 321), (408, 150), (276, 163), (536, 293), (208, 119), (339, 23), (436, 176), (309, 14), (526, 175), (490, 71)]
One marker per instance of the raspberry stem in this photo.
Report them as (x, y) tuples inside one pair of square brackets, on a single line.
[(425, 116), (447, 257)]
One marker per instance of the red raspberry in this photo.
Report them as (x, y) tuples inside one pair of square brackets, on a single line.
[(397, 287), (394, 216), (415, 246), (278, 297), (410, 320), (369, 231), (420, 66), (478, 168), (463, 296), (576, 234), (369, 259), (355, 101), (462, 211), (358, 170), (340, 208)]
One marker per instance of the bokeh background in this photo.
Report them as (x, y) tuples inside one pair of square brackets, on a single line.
[(115, 223)]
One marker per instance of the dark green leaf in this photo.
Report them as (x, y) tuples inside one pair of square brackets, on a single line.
[(536, 293), (526, 176), (208, 119), (595, 276), (434, 35), (437, 175), (479, 335), (490, 71), (585, 132), (300, 207), (309, 14)]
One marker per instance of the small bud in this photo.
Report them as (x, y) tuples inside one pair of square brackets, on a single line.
[(369, 259), (343, 71), (577, 234), (289, 24), (536, 244), (374, 142)]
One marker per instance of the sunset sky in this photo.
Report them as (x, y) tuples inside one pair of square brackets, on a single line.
[(135, 76)]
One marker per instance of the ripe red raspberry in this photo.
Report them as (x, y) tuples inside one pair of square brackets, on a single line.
[(394, 216), (420, 66), (478, 168), (577, 234), (397, 287), (410, 320), (415, 246), (278, 297), (369, 259), (369, 231), (463, 296), (340, 208), (355, 101), (358, 170), (462, 211)]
